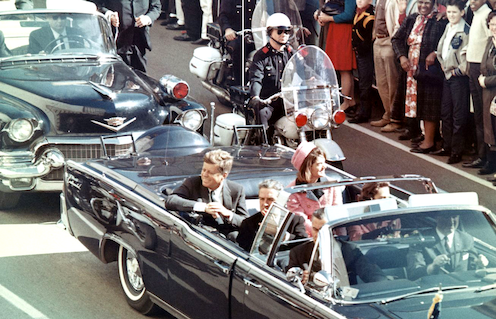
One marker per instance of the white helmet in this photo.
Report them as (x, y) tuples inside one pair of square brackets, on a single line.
[(278, 21)]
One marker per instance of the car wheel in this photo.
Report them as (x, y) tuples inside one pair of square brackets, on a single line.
[(132, 283), (9, 200)]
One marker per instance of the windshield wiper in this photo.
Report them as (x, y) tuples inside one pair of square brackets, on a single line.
[(423, 291)]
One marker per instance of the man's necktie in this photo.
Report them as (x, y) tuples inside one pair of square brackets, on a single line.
[(449, 251), (219, 219)]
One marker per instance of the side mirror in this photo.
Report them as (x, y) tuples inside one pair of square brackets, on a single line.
[(295, 275), (321, 279)]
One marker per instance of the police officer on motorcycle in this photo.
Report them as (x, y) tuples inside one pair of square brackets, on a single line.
[(266, 72)]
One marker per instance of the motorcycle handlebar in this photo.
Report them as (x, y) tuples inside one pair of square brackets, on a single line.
[(272, 98)]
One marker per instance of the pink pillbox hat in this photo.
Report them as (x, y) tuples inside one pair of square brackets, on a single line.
[(301, 153)]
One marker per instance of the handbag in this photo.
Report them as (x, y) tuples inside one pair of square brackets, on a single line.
[(432, 74), (333, 7)]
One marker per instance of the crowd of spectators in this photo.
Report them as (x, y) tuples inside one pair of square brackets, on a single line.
[(432, 63)]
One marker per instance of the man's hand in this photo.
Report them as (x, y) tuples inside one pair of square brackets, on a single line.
[(437, 263), (481, 262), (482, 80), (215, 209), (143, 21), (405, 64), (304, 279), (430, 59), (230, 34)]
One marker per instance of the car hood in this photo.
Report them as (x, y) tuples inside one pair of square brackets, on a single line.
[(76, 95)]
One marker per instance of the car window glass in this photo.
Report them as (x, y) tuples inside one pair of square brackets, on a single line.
[(389, 255), (268, 232), (33, 33)]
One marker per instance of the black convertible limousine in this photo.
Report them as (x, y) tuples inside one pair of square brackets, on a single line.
[(115, 207)]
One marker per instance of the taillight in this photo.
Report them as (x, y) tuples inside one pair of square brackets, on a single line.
[(339, 117), (301, 120), (180, 90)]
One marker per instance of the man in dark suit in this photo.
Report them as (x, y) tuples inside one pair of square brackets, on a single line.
[(43, 39), (356, 263), (222, 202), (451, 252), (132, 19), (268, 191)]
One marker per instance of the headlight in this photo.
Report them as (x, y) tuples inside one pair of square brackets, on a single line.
[(192, 119), (320, 119), (21, 130)]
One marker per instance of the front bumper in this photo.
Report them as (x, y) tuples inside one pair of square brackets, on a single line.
[(27, 176), (25, 171)]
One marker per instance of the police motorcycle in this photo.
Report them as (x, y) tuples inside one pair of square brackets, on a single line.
[(213, 64), (311, 98)]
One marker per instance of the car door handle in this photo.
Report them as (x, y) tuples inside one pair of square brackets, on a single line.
[(224, 268), (249, 282)]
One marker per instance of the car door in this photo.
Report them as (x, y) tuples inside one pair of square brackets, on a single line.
[(199, 271), (260, 288)]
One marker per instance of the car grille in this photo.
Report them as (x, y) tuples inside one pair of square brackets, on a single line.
[(84, 152)]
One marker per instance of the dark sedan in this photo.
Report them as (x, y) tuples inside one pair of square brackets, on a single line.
[(115, 207), (59, 95)]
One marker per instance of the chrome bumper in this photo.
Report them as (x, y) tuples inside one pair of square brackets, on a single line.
[(27, 176)]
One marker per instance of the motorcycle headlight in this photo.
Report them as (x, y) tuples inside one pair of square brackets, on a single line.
[(192, 119), (21, 130), (320, 119)]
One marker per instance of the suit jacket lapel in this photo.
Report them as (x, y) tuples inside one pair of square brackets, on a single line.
[(204, 193), (457, 247), (226, 196)]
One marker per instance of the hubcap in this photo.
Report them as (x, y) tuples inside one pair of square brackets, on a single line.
[(134, 273)]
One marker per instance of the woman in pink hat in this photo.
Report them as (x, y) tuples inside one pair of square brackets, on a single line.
[(310, 160)]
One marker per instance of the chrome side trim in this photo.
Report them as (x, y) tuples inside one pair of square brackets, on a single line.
[(173, 311)]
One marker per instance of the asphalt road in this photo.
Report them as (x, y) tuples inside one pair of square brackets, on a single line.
[(47, 274)]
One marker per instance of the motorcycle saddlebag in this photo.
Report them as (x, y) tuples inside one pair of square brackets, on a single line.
[(205, 62)]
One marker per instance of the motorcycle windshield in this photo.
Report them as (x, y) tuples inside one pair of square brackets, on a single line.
[(264, 9), (309, 81)]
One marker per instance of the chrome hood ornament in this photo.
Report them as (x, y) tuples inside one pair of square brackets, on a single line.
[(115, 124)]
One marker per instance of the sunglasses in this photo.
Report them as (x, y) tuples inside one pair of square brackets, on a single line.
[(285, 31)]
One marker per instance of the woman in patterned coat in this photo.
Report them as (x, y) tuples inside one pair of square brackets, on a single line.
[(415, 44)]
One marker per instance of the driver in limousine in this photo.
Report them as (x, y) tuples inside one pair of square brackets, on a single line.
[(56, 35), (451, 252), (221, 201)]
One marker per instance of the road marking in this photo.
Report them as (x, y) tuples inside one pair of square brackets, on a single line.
[(425, 157), (36, 239), (21, 304)]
